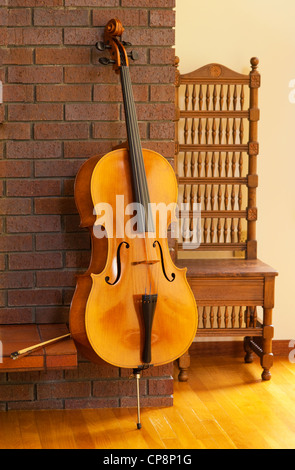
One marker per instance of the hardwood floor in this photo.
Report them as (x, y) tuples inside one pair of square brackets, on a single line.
[(224, 405)]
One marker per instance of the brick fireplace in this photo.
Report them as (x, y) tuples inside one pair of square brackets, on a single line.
[(60, 107)]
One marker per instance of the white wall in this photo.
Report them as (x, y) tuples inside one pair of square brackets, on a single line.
[(231, 32)]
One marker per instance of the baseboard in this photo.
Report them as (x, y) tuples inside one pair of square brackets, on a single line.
[(280, 347)]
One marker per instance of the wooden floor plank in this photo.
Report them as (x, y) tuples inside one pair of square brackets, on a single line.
[(29, 430), (222, 395), (150, 431), (10, 435), (46, 429), (185, 434), (127, 419), (224, 405), (82, 436), (96, 429)]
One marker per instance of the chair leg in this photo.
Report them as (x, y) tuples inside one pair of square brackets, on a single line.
[(248, 350), (266, 358), (184, 364)]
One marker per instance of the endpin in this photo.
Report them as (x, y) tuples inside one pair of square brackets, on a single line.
[(136, 375)]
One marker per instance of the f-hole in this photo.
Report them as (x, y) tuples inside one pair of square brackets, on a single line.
[(162, 262), (107, 278)]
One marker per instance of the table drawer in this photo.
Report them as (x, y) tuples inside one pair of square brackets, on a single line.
[(227, 291)]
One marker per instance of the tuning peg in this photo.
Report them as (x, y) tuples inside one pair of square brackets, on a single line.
[(106, 61), (125, 43), (133, 55), (101, 46)]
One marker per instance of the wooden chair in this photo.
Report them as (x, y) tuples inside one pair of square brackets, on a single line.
[(216, 165)]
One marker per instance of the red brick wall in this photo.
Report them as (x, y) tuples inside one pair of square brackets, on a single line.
[(61, 107)]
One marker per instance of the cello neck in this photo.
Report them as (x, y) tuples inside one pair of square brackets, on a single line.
[(140, 187)]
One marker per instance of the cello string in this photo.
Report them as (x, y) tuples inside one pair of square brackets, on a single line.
[(135, 142), (129, 129), (132, 138), (141, 175), (143, 184), (133, 134), (149, 226), (143, 179), (133, 163), (134, 129), (139, 163)]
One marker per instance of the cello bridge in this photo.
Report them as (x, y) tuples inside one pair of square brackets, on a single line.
[(151, 261)]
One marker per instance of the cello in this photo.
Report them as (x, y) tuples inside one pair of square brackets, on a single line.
[(133, 308)]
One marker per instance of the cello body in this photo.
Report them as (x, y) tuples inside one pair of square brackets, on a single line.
[(133, 307), (114, 320)]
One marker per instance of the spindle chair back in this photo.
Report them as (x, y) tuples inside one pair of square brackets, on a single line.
[(217, 146)]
